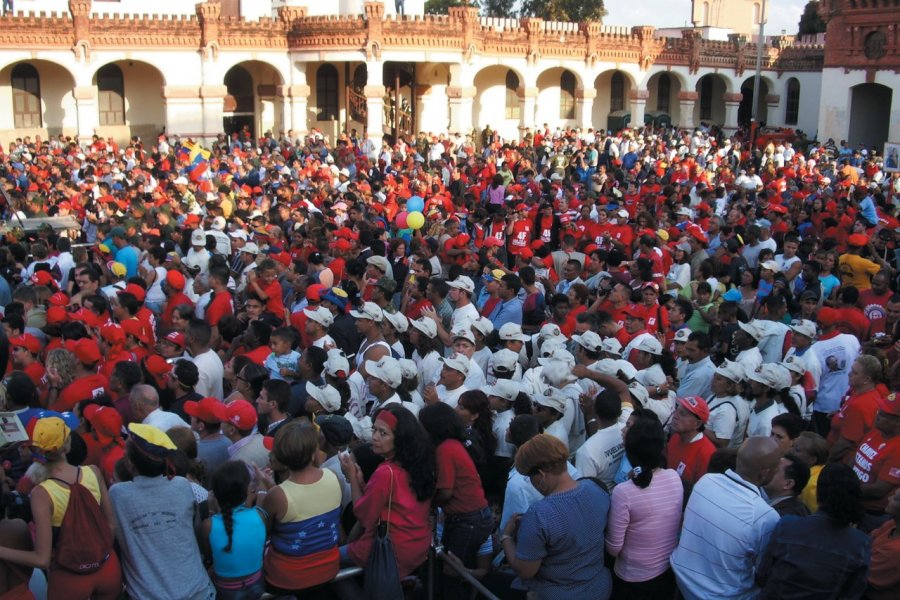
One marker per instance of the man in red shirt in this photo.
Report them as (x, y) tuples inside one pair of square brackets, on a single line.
[(25, 351), (87, 384), (877, 459), (519, 231), (689, 450), (221, 303)]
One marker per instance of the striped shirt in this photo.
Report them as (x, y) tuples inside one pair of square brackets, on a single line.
[(643, 525), (727, 525)]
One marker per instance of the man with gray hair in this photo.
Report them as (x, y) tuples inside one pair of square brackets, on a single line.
[(145, 409)]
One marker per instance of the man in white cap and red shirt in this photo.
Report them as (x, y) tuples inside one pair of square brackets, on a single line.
[(451, 384)]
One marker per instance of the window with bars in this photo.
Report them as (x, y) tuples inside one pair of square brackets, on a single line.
[(26, 89), (327, 93), (706, 96), (567, 95), (792, 109), (617, 92), (513, 104), (111, 95), (663, 92)]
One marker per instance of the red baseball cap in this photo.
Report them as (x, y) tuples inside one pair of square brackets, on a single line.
[(27, 341), (314, 292), (633, 310), (57, 315), (135, 328), (857, 240), (43, 278), (87, 352), (889, 404), (113, 334), (208, 410), (241, 414), (176, 338), (175, 280), (157, 365), (342, 245), (135, 290), (696, 406), (105, 421), (58, 299), (491, 241), (88, 317)]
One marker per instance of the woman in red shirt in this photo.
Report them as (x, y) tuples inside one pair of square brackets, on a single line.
[(398, 493), (689, 451), (468, 520)]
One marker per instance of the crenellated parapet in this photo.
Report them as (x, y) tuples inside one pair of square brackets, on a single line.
[(462, 31)]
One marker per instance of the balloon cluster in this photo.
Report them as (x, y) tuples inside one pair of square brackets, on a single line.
[(412, 217)]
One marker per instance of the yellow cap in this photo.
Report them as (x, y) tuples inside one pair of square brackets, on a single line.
[(148, 435), (50, 433)]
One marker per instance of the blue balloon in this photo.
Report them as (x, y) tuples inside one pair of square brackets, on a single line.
[(415, 204)]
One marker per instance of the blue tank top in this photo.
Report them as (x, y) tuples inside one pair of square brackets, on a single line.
[(247, 542)]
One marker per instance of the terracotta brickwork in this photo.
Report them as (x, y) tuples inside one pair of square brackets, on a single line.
[(461, 30), (862, 34)]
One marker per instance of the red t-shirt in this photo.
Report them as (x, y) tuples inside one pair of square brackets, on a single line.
[(92, 386), (35, 372), (259, 354), (873, 305), (220, 306), (274, 302), (414, 311), (690, 460), (456, 471), (521, 236), (176, 300), (855, 419), (148, 321), (878, 459), (853, 321), (337, 267)]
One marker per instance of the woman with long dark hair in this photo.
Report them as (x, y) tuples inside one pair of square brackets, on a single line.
[(468, 520), (823, 555), (398, 493), (474, 411), (642, 530)]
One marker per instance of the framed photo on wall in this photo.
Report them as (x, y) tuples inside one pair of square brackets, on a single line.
[(891, 158)]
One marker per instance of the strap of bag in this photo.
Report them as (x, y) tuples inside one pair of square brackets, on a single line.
[(390, 501), (66, 483)]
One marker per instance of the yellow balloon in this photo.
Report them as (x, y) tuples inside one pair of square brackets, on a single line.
[(415, 220)]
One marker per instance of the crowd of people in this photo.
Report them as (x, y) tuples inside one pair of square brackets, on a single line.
[(636, 364)]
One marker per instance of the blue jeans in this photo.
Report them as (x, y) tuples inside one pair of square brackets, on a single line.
[(233, 590), (463, 536)]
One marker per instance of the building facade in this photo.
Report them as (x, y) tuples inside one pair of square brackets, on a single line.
[(108, 68)]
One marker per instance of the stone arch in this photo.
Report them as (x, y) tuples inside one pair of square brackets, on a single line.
[(489, 105), (745, 109), (663, 89), (253, 84), (54, 107), (549, 99), (610, 83), (710, 105), (143, 104), (870, 115)]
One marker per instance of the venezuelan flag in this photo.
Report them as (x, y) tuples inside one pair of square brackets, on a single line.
[(197, 159)]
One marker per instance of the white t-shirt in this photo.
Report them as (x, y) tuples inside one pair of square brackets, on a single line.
[(601, 454), (728, 418), (760, 423)]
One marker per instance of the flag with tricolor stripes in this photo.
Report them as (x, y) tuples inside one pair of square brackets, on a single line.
[(197, 159)]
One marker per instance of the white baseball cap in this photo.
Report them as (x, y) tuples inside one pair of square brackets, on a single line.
[(198, 237), (250, 248), (753, 330), (550, 330), (731, 370), (795, 364), (426, 326), (369, 310), (397, 320), (458, 362), (219, 223), (326, 395), (505, 360), (504, 388), (611, 346), (408, 368), (804, 327), (463, 332), (337, 363), (180, 181), (513, 332), (649, 344), (382, 264), (552, 398), (238, 234), (589, 341), (483, 325), (320, 315), (682, 335), (463, 283), (559, 353), (386, 369)]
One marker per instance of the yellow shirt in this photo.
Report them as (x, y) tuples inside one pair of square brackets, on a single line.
[(59, 494), (857, 271), (808, 495)]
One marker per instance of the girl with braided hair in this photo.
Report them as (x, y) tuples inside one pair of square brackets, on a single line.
[(236, 536)]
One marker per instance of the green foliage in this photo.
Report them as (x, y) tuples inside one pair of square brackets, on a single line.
[(498, 8), (810, 22), (564, 10), (441, 7)]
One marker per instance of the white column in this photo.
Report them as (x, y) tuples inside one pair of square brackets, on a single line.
[(212, 104), (186, 114), (686, 103), (732, 103), (294, 105), (461, 102), (584, 107), (86, 110), (638, 108)]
